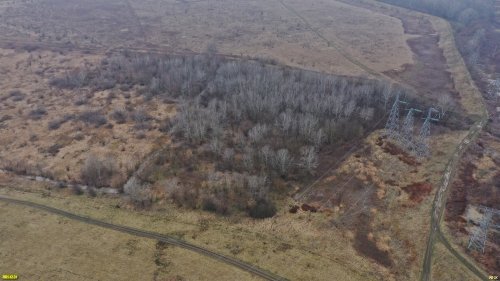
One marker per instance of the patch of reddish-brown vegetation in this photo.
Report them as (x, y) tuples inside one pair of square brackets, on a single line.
[(308, 208), (418, 191), (294, 209), (395, 150), (489, 258), (391, 182), (458, 197), (465, 191)]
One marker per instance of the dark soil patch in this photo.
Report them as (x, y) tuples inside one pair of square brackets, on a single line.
[(368, 248), (432, 78), (418, 191), (358, 199), (429, 75)]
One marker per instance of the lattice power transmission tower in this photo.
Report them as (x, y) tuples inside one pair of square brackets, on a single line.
[(406, 138), (422, 147), (392, 125), (479, 236)]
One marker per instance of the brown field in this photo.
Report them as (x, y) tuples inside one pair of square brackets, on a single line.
[(446, 267), (385, 241), (395, 218), (40, 246), (29, 144), (272, 244), (256, 28)]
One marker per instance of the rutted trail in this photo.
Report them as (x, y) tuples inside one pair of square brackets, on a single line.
[(151, 235)]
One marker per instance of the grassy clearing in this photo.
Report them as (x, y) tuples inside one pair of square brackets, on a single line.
[(256, 28), (41, 246), (301, 240), (376, 40), (446, 267)]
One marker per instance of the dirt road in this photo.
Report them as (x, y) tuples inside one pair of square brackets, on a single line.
[(151, 235), (441, 196)]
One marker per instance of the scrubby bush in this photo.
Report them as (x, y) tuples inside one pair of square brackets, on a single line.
[(262, 209), (81, 101), (93, 117), (119, 115), (38, 113), (54, 149), (55, 124), (16, 95), (98, 172), (139, 194), (71, 80), (5, 118), (76, 190), (142, 120)]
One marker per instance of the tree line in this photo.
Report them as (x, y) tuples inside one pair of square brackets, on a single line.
[(462, 11)]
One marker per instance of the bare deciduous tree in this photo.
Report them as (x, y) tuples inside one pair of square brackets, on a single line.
[(98, 172), (257, 133), (258, 186), (283, 161), (308, 158)]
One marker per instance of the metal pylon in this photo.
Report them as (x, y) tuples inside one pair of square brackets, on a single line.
[(392, 125), (422, 147), (406, 137), (479, 236)]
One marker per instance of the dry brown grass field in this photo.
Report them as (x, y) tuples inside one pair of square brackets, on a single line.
[(302, 240), (40, 42), (255, 28), (29, 141), (41, 246), (446, 267)]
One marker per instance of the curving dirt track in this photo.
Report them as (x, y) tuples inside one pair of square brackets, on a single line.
[(151, 235), (439, 204)]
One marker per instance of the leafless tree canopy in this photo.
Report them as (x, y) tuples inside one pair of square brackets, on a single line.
[(98, 172), (258, 121)]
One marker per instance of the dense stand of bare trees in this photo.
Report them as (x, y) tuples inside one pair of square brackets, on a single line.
[(256, 122), (463, 11)]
